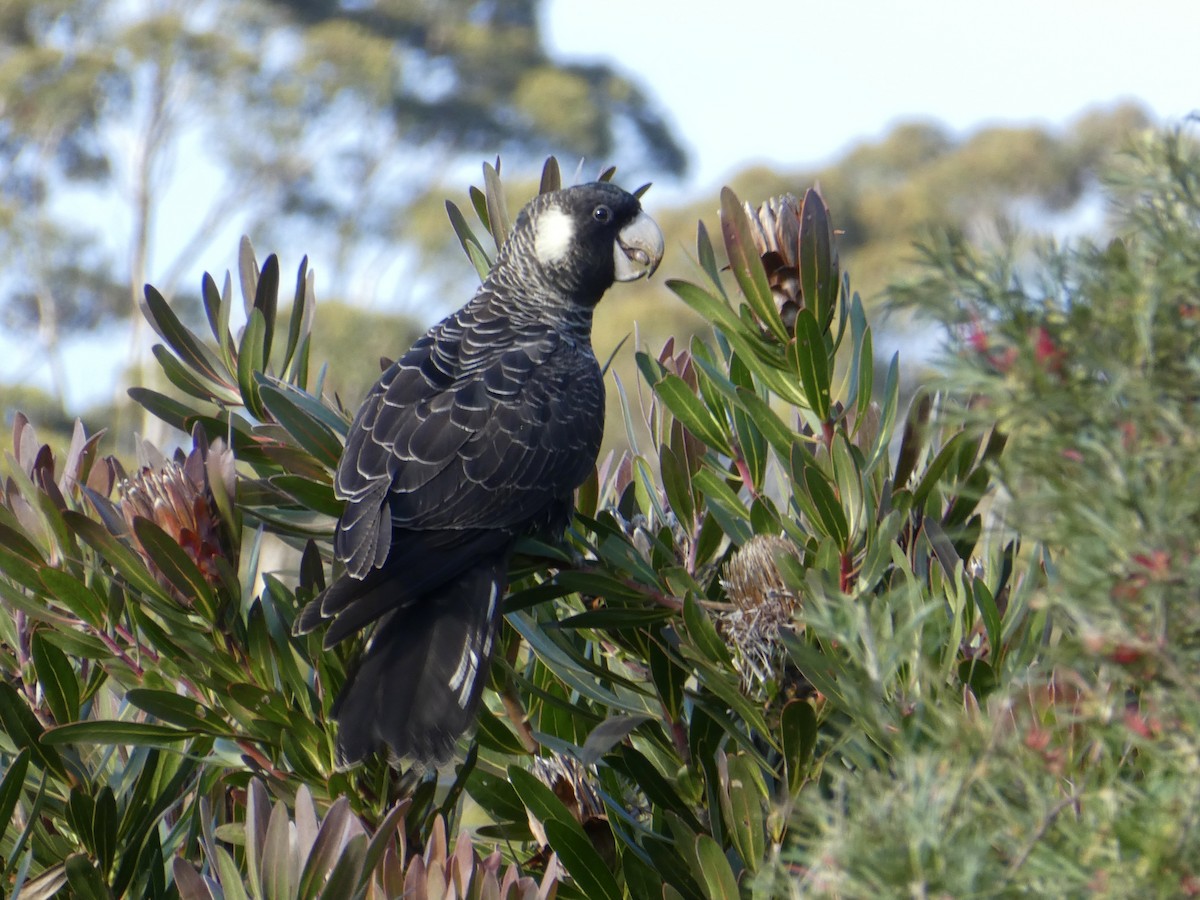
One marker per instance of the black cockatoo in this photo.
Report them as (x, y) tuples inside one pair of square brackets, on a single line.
[(479, 434)]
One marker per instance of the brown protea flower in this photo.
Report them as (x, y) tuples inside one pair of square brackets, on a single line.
[(776, 228), (178, 496), (575, 785), (763, 609)]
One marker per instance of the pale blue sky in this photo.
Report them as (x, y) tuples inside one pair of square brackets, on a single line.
[(795, 82)]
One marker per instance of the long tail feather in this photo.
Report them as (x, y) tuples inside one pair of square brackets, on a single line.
[(418, 685)]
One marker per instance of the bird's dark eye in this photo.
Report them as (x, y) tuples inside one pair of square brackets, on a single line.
[(602, 214)]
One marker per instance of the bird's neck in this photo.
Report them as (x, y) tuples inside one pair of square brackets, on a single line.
[(541, 306)]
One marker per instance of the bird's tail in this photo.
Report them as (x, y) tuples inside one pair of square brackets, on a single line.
[(418, 684)]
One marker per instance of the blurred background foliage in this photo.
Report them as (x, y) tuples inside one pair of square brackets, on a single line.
[(342, 128)]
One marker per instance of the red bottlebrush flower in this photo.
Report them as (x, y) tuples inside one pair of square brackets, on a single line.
[(1046, 351)]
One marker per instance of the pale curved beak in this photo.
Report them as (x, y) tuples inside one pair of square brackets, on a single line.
[(639, 249)]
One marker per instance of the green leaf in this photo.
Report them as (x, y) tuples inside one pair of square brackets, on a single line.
[(80, 599), (183, 712), (849, 481), (707, 257), (743, 797), (677, 485), (724, 505), (607, 735), (176, 566), (12, 785), (693, 413), (186, 345), (747, 266), (26, 732), (300, 320), (718, 876), (810, 361), (176, 414), (86, 883), (497, 209), (709, 307), (798, 733), (580, 859), (818, 262), (183, 378), (112, 731), (470, 243), (57, 678), (932, 477), (830, 516), (250, 361), (266, 301), (704, 634), (309, 432)]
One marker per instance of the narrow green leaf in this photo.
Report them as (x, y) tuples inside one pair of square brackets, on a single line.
[(677, 484), (81, 600), (810, 361), (711, 308), (184, 379), (176, 566), (798, 733), (707, 257), (112, 731), (718, 876), (747, 266), (704, 634), (308, 432), (301, 318), (818, 261), (266, 301), (830, 515), (778, 435), (724, 504), (183, 712), (116, 554), (57, 678), (190, 349), (497, 207), (171, 411), (250, 360), (551, 176), (934, 471), (580, 859), (744, 810), (693, 413), (887, 416), (12, 785), (86, 883), (26, 732), (849, 481), (469, 242)]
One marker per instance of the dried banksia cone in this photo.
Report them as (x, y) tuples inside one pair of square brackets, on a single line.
[(780, 228), (764, 604), (752, 578), (178, 496)]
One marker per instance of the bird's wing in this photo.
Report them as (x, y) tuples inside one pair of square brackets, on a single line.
[(476, 428)]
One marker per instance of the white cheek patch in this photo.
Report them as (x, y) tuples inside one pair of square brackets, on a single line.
[(555, 231)]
